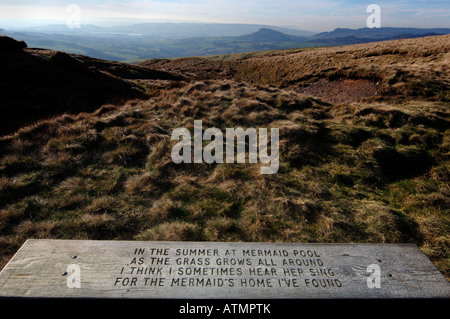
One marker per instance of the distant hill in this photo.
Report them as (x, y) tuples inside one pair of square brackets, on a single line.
[(380, 33), (188, 30), (164, 30), (174, 40), (269, 35), (146, 40)]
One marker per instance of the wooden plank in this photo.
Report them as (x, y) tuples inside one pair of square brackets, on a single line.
[(126, 269)]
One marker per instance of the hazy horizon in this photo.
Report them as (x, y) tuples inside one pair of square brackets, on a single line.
[(317, 16)]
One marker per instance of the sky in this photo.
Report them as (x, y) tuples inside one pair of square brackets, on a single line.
[(312, 15)]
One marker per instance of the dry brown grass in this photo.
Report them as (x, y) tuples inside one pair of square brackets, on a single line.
[(368, 171), (391, 62)]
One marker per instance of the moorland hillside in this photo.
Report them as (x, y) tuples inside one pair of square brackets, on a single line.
[(364, 149)]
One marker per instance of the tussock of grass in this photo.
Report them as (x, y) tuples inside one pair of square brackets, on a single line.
[(174, 231)]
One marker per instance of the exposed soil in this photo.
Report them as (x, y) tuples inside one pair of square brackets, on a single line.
[(341, 91)]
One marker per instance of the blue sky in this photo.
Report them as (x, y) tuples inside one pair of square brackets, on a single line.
[(314, 15)]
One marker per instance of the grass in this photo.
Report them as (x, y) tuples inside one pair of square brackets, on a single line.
[(370, 171), (417, 69)]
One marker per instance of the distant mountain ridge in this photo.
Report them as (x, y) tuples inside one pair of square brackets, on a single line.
[(379, 33), (173, 40), (265, 34), (343, 36), (166, 30)]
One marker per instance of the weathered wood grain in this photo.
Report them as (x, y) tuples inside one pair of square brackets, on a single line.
[(219, 270)]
